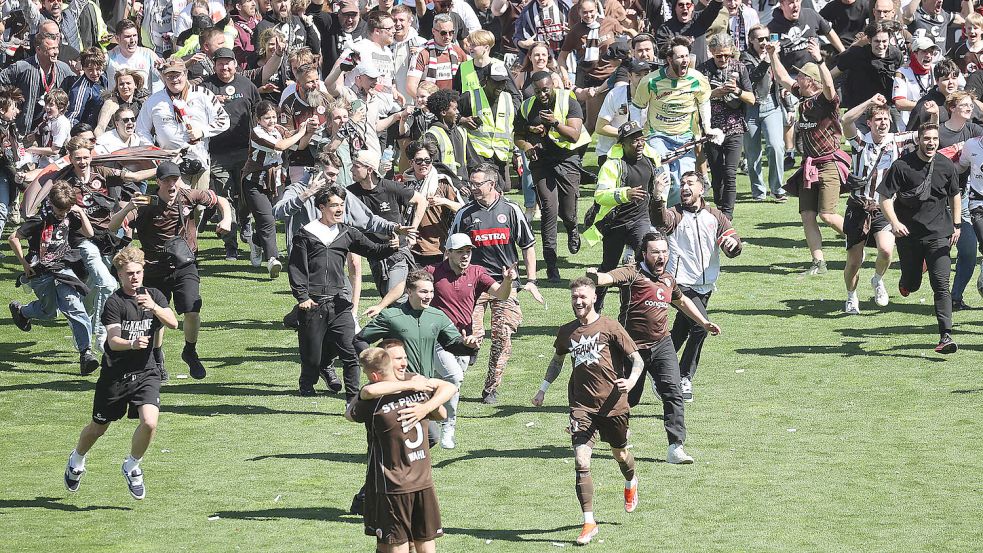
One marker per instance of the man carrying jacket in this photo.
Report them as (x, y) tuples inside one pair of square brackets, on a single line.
[(697, 233)]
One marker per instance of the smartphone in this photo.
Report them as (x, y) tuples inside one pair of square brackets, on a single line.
[(154, 200), (773, 37)]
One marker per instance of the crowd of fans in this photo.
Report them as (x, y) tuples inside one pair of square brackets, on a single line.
[(393, 130)]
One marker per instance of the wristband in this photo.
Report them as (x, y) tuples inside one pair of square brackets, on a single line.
[(531, 281), (544, 386)]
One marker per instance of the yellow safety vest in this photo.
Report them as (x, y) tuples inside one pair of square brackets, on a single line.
[(446, 147), (494, 137), (560, 108)]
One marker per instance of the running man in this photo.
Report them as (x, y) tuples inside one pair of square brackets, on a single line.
[(597, 394), (129, 384)]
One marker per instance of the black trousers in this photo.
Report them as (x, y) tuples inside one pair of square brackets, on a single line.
[(264, 231), (661, 365), (934, 253), (613, 246), (976, 218), (685, 331), (723, 162), (328, 326), (557, 187)]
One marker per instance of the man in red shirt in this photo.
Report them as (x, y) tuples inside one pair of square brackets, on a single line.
[(457, 285)]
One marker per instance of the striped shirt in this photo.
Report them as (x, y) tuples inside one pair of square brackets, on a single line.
[(262, 150), (817, 130), (673, 104)]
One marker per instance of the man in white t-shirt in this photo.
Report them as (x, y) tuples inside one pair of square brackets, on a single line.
[(617, 109), (123, 135), (130, 55)]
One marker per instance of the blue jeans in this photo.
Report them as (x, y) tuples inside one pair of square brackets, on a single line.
[(528, 186), (663, 145), (965, 253), (765, 120), (101, 282), (54, 295)]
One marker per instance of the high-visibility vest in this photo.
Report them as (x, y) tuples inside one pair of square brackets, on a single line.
[(446, 147), (561, 105), (494, 137)]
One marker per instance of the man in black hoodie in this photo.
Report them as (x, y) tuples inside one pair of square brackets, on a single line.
[(317, 279), (687, 21)]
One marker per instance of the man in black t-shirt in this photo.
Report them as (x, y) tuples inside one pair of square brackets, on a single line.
[(549, 128), (53, 236), (395, 203), (131, 370), (920, 198), (796, 28), (872, 64), (847, 18)]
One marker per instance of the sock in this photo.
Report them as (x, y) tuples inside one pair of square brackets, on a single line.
[(628, 467), (631, 483), (589, 517), (585, 492), (851, 296), (877, 278), (189, 346), (76, 461), (130, 463)]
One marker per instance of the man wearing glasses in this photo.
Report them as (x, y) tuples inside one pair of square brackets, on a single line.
[(373, 50), (439, 60), (497, 229), (123, 134)]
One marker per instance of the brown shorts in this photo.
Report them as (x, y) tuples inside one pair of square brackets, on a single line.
[(824, 195), (584, 426), (400, 518)]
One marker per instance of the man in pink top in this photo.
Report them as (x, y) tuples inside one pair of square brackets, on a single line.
[(457, 284)]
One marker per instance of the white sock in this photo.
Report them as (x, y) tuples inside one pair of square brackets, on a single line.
[(632, 482), (876, 279), (851, 296), (77, 461), (589, 517), (130, 463)]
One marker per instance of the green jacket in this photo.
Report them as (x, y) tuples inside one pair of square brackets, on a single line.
[(420, 331)]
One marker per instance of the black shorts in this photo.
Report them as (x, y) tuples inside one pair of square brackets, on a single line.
[(853, 226), (180, 285), (115, 396), (584, 426), (401, 518)]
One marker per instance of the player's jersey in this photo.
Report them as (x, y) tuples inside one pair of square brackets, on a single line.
[(295, 111), (495, 231), (673, 104), (866, 153), (399, 458), (599, 351), (645, 302)]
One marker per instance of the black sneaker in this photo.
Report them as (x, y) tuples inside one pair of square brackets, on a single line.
[(88, 363), (231, 252), (553, 275), (331, 380), (946, 345), (73, 477), (195, 368), (489, 398), (473, 359), (573, 241), (307, 392), (20, 320), (358, 502), (134, 481), (789, 162), (960, 305)]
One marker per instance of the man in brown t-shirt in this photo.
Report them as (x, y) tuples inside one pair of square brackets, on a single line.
[(646, 293), (597, 392), (401, 504), (159, 219)]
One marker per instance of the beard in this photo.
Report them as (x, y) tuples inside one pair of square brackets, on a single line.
[(316, 98), (679, 67)]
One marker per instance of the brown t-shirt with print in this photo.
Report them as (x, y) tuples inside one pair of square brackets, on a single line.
[(576, 42), (156, 224), (645, 300), (399, 458), (599, 350)]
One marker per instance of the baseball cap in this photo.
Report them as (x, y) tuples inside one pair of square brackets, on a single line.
[(223, 53), (369, 70), (628, 130), (168, 169), (637, 66), (458, 241), (810, 70), (173, 65), (920, 43), (498, 72), (368, 158)]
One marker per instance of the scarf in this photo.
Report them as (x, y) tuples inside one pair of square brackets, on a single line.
[(435, 52), (916, 67), (592, 45), (738, 30)]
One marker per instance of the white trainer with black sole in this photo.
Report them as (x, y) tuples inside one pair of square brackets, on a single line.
[(687, 388), (134, 481)]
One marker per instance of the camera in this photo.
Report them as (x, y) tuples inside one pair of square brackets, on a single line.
[(189, 166)]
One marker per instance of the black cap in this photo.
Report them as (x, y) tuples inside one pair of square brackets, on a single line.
[(628, 130), (223, 53), (617, 51), (638, 66), (168, 169)]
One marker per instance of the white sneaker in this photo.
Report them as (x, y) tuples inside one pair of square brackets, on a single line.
[(134, 481), (98, 340), (880, 291), (687, 388), (447, 437), (852, 307), (255, 255), (678, 456), (274, 266)]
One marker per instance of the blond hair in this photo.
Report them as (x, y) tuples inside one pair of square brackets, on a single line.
[(129, 254)]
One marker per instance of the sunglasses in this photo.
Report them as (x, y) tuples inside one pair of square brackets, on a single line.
[(445, 33), (422, 160), (127, 119)]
